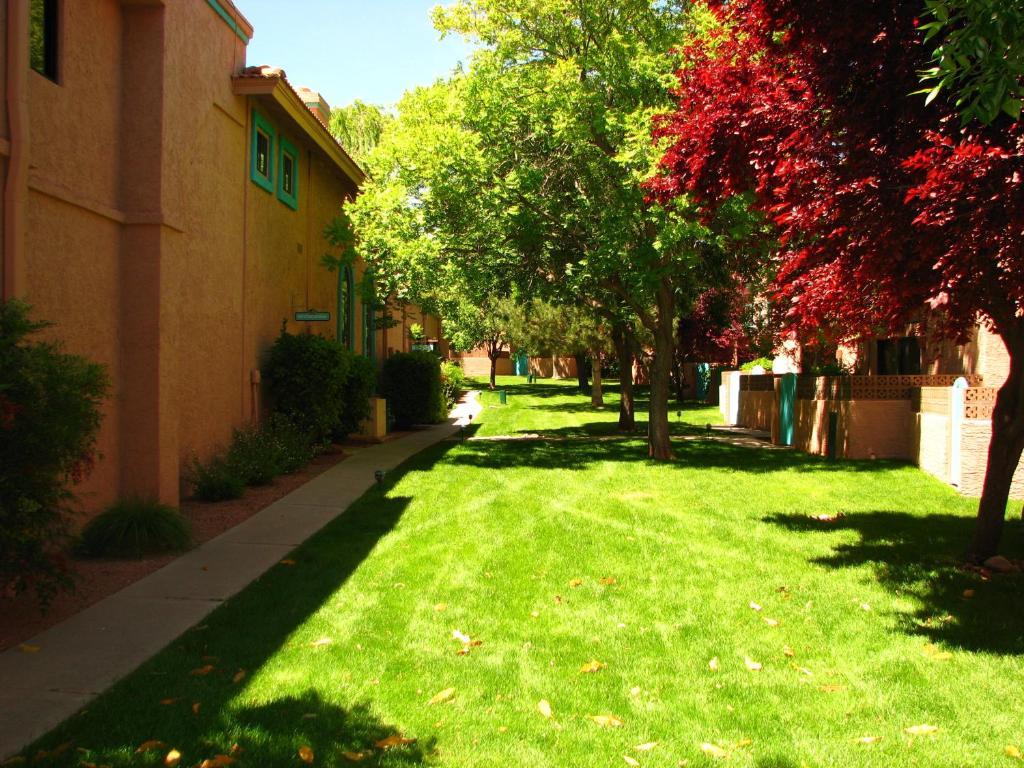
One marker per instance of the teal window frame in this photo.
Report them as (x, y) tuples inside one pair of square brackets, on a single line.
[(261, 124), (288, 149)]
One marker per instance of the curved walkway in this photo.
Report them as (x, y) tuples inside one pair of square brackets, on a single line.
[(53, 675)]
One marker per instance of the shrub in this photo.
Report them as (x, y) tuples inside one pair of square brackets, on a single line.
[(293, 445), (49, 418), (764, 362), (322, 387), (359, 388), (134, 528), (253, 456), (216, 480), (411, 382), (453, 380)]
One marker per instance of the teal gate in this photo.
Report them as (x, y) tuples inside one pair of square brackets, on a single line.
[(522, 363), (787, 407)]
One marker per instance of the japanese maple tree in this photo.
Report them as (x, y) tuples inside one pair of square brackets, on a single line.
[(885, 207)]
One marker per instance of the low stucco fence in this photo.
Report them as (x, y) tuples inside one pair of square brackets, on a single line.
[(924, 419), (952, 430)]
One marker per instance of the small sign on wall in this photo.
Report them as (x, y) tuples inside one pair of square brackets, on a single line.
[(312, 316)]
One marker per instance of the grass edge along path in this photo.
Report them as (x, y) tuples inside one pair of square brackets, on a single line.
[(539, 604)]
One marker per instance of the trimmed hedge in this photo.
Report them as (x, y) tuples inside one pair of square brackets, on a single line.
[(323, 388), (411, 382)]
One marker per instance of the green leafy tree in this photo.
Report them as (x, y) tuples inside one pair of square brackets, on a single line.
[(977, 56), (561, 95), (358, 127)]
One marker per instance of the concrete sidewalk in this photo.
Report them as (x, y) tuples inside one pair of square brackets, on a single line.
[(81, 657)]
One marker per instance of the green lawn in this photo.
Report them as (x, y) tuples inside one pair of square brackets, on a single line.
[(554, 554), (553, 407)]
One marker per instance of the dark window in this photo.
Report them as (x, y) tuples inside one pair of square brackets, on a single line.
[(288, 174), (899, 357), (262, 154), (42, 45)]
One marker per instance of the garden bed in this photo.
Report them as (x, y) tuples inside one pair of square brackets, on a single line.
[(21, 618)]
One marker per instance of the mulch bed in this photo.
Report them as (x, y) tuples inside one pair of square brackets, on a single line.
[(21, 618)]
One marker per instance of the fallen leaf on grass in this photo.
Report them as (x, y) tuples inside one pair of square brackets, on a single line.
[(592, 666), (355, 757), (771, 622), (544, 708), (202, 671), (239, 676), (439, 608), (1013, 751), (576, 583), (306, 754), (236, 750), (787, 651), (29, 648), (168, 702), (321, 642), (558, 599), (146, 746), (172, 758), (826, 518), (753, 666), (217, 762), (442, 696), (394, 740), (608, 580), (287, 562), (833, 688), (646, 747), (969, 593), (607, 721), (196, 707), (865, 607), (922, 730), (713, 664), (867, 739), (713, 751), (754, 606), (462, 638), (631, 760)]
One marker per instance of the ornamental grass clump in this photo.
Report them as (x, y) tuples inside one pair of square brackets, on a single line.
[(134, 528)]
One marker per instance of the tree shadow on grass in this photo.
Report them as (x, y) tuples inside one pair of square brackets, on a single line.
[(336, 735), (690, 453), (920, 556), (175, 699)]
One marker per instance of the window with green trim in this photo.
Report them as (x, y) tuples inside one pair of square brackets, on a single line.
[(261, 163), (288, 178)]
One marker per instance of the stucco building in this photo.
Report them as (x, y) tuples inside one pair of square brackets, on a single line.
[(165, 206)]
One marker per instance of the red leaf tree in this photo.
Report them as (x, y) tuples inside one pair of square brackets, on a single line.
[(884, 207)]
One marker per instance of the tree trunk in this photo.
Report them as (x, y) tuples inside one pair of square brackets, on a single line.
[(494, 371), (596, 392), (581, 370), (1004, 452), (623, 339), (659, 446)]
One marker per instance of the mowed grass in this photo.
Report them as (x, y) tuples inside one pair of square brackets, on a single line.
[(554, 554)]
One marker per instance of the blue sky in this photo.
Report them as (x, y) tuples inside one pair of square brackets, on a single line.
[(372, 50)]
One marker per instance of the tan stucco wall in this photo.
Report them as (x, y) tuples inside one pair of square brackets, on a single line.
[(757, 410), (975, 436), (931, 444), (867, 428)]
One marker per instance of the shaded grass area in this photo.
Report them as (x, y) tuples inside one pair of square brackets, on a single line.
[(557, 554)]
